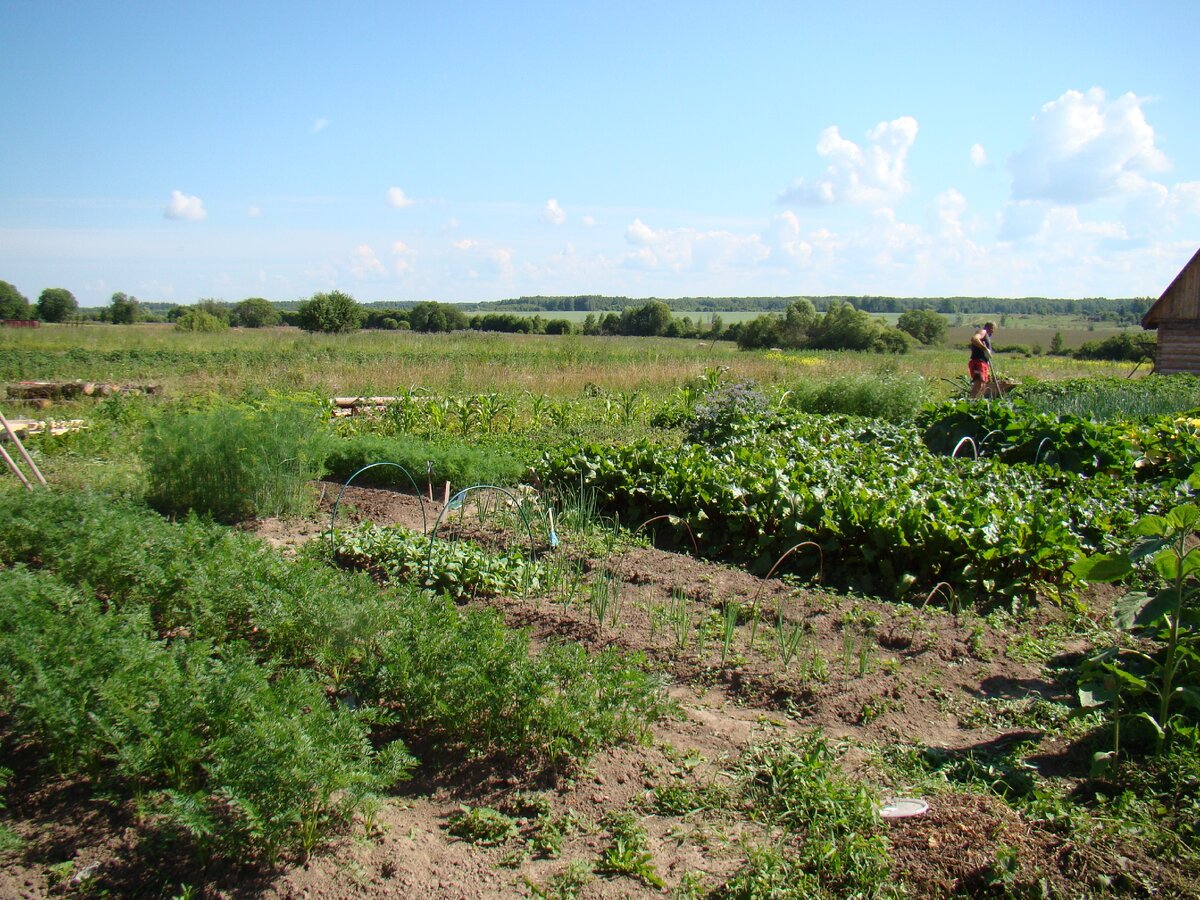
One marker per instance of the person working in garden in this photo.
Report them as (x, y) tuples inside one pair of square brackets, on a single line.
[(981, 356)]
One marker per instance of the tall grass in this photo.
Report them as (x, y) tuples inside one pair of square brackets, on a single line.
[(388, 363)]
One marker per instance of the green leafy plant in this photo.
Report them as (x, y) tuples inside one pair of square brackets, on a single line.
[(1169, 676), (628, 852), (482, 825)]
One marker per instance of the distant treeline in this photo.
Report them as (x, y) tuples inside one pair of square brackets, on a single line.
[(1099, 309)]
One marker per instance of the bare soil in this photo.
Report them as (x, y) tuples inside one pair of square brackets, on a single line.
[(869, 673)]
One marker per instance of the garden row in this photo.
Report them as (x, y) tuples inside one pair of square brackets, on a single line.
[(873, 507), (244, 694)]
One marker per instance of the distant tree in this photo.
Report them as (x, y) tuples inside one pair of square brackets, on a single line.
[(1057, 345), (925, 325), (845, 328), (13, 304), (648, 320), (590, 325), (758, 333), (123, 310), (255, 312), (429, 316), (216, 308), (56, 305), (559, 326), (1123, 347), (331, 313), (891, 340), (798, 319), (193, 319)]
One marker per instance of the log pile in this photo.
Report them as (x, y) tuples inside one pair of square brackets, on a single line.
[(43, 393)]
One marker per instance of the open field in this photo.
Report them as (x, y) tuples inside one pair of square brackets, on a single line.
[(622, 617), (386, 362)]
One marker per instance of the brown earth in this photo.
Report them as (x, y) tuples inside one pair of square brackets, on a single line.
[(871, 674)]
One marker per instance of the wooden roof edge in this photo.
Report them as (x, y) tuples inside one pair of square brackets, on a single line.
[(1150, 319)]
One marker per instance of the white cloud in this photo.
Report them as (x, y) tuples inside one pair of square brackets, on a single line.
[(465, 244), (588, 222), (402, 257), (397, 199), (949, 208), (364, 264), (870, 175), (184, 206), (1185, 197), (786, 241), (979, 157), (1084, 148), (1022, 219), (318, 125), (553, 213), (254, 212), (683, 249)]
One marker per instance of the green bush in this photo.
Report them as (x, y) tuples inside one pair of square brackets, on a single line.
[(1123, 347), (198, 320), (233, 463)]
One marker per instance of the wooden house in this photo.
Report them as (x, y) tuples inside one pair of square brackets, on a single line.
[(1176, 315)]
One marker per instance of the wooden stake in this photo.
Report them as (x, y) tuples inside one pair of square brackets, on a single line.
[(21, 447)]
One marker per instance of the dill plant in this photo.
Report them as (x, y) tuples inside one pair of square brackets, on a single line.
[(233, 463)]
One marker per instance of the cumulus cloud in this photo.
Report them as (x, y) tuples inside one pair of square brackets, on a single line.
[(397, 199), (184, 206), (979, 157), (949, 208), (588, 222), (1085, 148), (364, 264), (318, 125), (869, 175), (402, 257), (683, 249), (553, 213), (786, 241), (1185, 196), (254, 212)]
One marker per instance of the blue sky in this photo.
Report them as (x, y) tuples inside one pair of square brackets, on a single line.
[(472, 151)]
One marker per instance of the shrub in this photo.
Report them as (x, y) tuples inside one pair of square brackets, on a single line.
[(925, 325), (1124, 347), (233, 463), (192, 319), (332, 312)]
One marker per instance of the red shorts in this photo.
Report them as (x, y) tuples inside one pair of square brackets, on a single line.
[(978, 369)]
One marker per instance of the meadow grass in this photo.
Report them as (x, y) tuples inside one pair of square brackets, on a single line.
[(388, 363)]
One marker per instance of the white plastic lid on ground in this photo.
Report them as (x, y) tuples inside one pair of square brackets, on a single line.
[(902, 808)]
